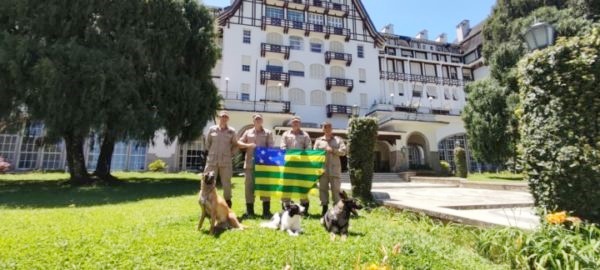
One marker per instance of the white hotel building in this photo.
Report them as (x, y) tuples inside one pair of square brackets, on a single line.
[(323, 61)]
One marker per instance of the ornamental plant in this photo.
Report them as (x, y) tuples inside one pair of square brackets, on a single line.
[(361, 155)]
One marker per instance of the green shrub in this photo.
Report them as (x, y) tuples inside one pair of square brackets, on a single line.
[(361, 156), (445, 168), (560, 127), (550, 247), (157, 166), (460, 158)]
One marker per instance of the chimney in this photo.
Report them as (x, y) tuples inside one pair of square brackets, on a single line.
[(442, 38), (462, 30), (422, 35), (388, 29)]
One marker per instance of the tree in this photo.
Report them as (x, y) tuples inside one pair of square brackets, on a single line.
[(486, 118), (560, 124), (362, 137)]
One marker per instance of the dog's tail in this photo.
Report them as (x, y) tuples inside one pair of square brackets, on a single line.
[(273, 223)]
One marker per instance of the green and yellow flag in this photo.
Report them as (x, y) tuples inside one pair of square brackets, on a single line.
[(286, 173)]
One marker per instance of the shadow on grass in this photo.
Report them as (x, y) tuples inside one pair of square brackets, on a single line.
[(52, 193), (507, 178)]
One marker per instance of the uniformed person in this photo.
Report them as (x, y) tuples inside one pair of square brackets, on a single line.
[(335, 148), (258, 136), (296, 138), (221, 142)]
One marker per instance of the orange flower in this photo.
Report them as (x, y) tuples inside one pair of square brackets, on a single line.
[(557, 218)]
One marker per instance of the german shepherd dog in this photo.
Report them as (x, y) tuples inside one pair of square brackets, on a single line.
[(337, 219), (219, 214)]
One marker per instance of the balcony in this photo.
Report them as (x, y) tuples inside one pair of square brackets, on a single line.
[(296, 4), (424, 79), (338, 109), (316, 29), (336, 56), (295, 27), (267, 48), (269, 23), (394, 76), (339, 82), (454, 82), (338, 32), (318, 6), (274, 76), (270, 106), (337, 9), (279, 3)]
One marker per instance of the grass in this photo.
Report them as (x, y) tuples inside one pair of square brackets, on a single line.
[(148, 222), (501, 176)]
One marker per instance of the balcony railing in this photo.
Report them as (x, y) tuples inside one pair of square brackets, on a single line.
[(317, 5), (315, 28), (394, 76), (270, 21), (273, 48), (273, 106), (420, 78), (339, 82), (455, 82), (337, 9), (424, 79), (338, 31), (274, 76), (338, 109), (296, 4), (346, 57)]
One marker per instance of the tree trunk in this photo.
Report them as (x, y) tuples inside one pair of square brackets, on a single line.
[(105, 158), (76, 160)]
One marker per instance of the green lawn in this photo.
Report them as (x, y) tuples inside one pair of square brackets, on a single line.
[(148, 222), (501, 176)]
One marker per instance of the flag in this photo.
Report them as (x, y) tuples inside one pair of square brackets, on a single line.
[(286, 173)]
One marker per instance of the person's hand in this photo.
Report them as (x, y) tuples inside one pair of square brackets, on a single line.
[(252, 146), (329, 149)]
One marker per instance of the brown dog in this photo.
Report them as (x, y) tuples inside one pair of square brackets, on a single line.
[(214, 206)]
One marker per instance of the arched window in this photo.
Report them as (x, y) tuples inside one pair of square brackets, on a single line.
[(317, 71), (316, 45), (336, 46), (297, 96), (275, 38), (296, 43), (317, 98), (338, 98), (296, 68), (274, 93), (338, 72)]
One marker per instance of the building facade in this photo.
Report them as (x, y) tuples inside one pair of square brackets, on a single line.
[(325, 61)]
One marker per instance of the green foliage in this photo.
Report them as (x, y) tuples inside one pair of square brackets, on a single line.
[(560, 125), (460, 158), (445, 168), (486, 118), (362, 137), (149, 221), (157, 166), (550, 247)]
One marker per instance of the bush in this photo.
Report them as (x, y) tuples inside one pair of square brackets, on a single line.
[(157, 166), (445, 168), (560, 127), (4, 165), (361, 156), (460, 158), (550, 247)]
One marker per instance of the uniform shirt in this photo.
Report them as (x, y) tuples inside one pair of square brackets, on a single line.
[(221, 145), (333, 165), (263, 138), (290, 140)]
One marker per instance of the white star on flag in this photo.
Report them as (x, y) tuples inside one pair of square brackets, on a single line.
[(263, 152)]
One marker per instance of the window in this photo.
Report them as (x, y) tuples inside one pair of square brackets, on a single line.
[(295, 16), (335, 21), (245, 97), (191, 156), (274, 93), (406, 53), (338, 98), (362, 75), (400, 66), (52, 157), (337, 72), (447, 95), (430, 70), (137, 157), (8, 147), (432, 92), (246, 36), (274, 12), (360, 51), (29, 148), (275, 38), (316, 45), (364, 100), (415, 68), (296, 43), (317, 71), (245, 91), (467, 74), (246, 63), (401, 90), (297, 96), (296, 69), (336, 46), (317, 19), (420, 55), (317, 98)]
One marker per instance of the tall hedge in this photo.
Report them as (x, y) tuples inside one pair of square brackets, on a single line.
[(460, 159), (361, 156), (560, 124)]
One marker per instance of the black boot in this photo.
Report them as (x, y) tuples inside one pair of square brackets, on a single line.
[(267, 210), (249, 211), (324, 210), (305, 205), (229, 203)]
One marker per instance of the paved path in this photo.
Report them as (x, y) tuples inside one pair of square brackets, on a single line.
[(480, 207)]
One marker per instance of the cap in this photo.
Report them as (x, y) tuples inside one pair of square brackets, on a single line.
[(296, 119), (223, 113), (257, 116)]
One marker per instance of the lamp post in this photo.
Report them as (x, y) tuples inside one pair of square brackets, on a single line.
[(430, 103), (392, 98), (539, 35), (226, 87), (280, 93), (355, 110)]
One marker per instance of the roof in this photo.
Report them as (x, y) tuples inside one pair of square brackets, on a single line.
[(473, 39)]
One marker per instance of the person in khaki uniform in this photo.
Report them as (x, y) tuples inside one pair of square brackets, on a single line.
[(221, 142), (296, 138), (252, 138), (335, 148)]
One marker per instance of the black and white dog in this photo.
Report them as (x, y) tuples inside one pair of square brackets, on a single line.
[(287, 220), (337, 219)]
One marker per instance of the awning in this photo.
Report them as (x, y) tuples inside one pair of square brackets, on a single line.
[(389, 136)]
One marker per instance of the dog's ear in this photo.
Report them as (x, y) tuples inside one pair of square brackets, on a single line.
[(343, 195), (286, 205)]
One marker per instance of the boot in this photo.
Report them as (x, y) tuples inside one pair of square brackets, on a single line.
[(324, 210), (229, 203), (267, 210), (305, 205), (249, 211)]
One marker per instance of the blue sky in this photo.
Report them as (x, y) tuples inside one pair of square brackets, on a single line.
[(411, 16)]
